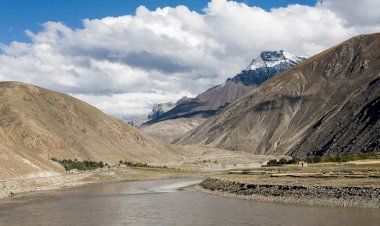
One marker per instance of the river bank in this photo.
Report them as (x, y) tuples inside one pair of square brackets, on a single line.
[(351, 184), (363, 197), (18, 187), (196, 162)]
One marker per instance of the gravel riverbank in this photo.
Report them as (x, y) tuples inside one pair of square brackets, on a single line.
[(363, 197)]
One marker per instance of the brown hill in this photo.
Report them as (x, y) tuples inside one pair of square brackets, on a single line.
[(188, 115), (170, 130), (329, 104), (207, 103), (37, 124)]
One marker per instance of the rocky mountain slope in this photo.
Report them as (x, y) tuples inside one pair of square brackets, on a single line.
[(37, 124), (326, 105), (190, 111)]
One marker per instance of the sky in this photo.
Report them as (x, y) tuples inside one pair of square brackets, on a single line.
[(19, 15), (124, 56)]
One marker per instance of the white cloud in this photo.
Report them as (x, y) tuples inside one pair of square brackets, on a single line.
[(124, 65), (365, 13), (120, 105)]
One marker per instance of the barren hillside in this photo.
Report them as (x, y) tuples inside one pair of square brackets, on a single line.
[(37, 124), (171, 129)]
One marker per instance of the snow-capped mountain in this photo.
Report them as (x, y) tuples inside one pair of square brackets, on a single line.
[(157, 110), (206, 104), (268, 64)]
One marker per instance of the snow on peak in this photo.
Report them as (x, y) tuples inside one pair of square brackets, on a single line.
[(272, 55), (273, 58), (293, 58), (268, 64), (256, 64)]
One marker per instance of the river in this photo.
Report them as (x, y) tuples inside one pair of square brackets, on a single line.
[(157, 202)]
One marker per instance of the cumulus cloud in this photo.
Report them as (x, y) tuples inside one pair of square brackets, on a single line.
[(124, 65), (365, 13)]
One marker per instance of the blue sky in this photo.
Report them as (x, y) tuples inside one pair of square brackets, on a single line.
[(18, 15)]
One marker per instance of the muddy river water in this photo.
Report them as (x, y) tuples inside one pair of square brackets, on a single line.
[(165, 202)]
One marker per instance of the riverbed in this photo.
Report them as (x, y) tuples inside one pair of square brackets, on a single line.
[(165, 202)]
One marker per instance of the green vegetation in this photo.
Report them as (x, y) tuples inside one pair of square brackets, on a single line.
[(321, 159), (91, 165), (139, 164), (282, 161), (272, 162), (343, 158), (79, 165)]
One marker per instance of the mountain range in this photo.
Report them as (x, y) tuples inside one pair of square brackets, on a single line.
[(188, 113), (327, 105), (156, 112)]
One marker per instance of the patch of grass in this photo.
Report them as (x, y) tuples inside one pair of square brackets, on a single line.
[(140, 164), (69, 164), (322, 159), (343, 158)]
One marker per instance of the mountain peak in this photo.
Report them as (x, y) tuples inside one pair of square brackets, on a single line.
[(266, 65), (271, 58), (272, 55)]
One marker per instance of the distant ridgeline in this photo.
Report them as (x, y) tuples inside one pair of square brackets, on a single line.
[(206, 104)]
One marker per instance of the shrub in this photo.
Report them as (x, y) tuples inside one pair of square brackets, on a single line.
[(142, 164), (272, 162), (69, 164), (342, 158), (282, 161), (292, 161)]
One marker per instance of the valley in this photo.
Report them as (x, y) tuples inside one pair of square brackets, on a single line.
[(41, 129), (209, 113)]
